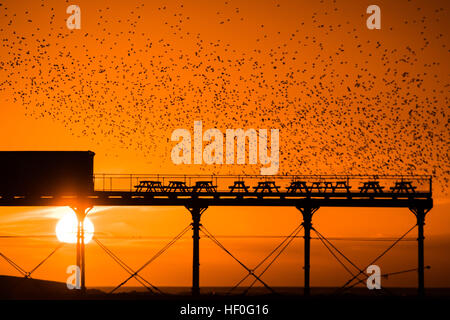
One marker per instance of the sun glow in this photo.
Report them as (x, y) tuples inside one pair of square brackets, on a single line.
[(66, 229)]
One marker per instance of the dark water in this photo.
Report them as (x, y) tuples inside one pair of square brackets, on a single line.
[(360, 291)]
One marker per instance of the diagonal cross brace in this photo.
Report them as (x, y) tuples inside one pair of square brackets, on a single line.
[(160, 252), (377, 258), (27, 274), (273, 260), (128, 269), (325, 241), (251, 272), (290, 236)]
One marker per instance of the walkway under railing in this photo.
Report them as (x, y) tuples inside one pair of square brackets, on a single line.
[(255, 183)]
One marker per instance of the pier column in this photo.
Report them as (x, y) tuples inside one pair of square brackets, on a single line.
[(196, 213), (81, 213), (420, 214), (307, 213)]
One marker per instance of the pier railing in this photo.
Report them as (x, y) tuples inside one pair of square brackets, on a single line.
[(276, 183)]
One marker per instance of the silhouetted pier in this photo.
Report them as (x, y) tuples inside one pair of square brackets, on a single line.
[(307, 193)]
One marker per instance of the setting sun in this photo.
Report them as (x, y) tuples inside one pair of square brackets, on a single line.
[(66, 229)]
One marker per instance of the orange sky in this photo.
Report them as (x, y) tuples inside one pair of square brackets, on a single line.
[(346, 100)]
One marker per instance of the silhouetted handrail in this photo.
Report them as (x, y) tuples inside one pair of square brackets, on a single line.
[(396, 183)]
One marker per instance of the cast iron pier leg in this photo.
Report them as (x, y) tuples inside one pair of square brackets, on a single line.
[(307, 213), (420, 214), (81, 259), (196, 213), (421, 258)]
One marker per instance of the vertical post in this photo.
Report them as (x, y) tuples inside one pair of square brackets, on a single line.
[(196, 213), (420, 214), (196, 251), (81, 260), (307, 217), (83, 257), (78, 242), (307, 212)]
